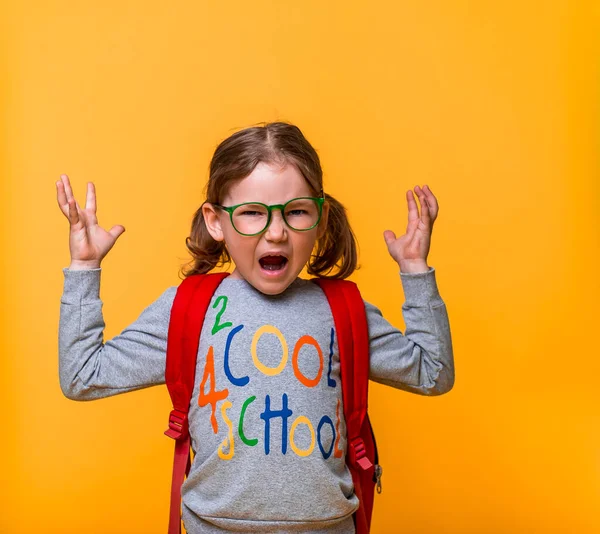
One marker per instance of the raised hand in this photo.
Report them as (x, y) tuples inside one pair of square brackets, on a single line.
[(88, 241), (411, 249)]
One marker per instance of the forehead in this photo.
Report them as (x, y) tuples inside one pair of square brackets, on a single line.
[(270, 183)]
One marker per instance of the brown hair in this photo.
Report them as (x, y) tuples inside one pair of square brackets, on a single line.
[(234, 159)]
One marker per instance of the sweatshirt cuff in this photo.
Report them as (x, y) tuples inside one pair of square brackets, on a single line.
[(80, 286), (420, 289)]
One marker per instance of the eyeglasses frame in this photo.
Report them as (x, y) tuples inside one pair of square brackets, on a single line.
[(280, 207)]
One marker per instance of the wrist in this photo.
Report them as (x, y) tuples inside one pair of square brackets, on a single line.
[(413, 266), (81, 265)]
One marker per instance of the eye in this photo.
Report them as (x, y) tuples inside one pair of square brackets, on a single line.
[(297, 212), (251, 213)]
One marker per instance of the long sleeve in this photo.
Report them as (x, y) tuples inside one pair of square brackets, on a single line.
[(91, 369), (420, 361)]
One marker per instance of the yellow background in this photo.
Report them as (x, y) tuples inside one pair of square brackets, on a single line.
[(493, 104)]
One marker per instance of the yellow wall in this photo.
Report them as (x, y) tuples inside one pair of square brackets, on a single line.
[(493, 104)]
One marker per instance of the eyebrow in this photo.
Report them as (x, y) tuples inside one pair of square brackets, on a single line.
[(274, 204)]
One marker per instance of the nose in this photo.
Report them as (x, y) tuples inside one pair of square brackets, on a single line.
[(276, 230)]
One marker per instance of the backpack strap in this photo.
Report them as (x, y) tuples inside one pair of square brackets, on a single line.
[(187, 317), (349, 315)]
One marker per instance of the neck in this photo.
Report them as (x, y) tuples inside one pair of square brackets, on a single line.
[(235, 275)]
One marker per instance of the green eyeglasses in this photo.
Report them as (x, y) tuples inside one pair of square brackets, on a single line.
[(252, 218)]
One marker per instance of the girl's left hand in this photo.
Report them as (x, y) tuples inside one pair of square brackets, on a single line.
[(411, 249)]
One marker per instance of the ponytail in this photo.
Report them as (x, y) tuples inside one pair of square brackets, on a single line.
[(337, 247)]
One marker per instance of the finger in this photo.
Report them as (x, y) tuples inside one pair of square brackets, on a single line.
[(67, 184), (389, 237), (427, 201), (116, 230), (425, 215), (430, 197), (413, 211), (432, 201), (61, 198), (90, 204), (73, 212), (90, 199), (71, 197)]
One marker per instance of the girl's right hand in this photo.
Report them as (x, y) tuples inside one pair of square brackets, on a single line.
[(88, 242)]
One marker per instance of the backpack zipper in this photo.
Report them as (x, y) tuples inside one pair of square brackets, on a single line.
[(378, 469), (378, 472)]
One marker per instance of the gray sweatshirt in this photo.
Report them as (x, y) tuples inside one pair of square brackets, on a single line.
[(266, 417)]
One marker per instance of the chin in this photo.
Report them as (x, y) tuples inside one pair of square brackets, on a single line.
[(275, 286), (269, 285), (272, 292), (271, 288)]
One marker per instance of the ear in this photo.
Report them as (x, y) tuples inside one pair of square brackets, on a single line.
[(322, 228), (212, 219)]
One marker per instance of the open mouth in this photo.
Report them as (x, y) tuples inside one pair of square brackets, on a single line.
[(273, 264)]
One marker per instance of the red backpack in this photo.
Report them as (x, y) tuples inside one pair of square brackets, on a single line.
[(187, 316)]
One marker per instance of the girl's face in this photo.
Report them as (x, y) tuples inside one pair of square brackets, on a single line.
[(269, 184)]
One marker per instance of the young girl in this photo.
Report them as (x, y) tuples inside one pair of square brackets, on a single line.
[(267, 428)]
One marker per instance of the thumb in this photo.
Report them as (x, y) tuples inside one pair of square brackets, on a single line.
[(116, 230), (389, 237)]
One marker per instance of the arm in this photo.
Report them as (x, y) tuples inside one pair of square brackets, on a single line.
[(91, 369), (421, 361)]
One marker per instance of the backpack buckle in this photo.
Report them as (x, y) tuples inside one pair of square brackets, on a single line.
[(178, 425), (358, 454)]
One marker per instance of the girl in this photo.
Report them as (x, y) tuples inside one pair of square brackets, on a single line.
[(268, 434)]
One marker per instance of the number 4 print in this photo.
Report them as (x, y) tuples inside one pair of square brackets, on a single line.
[(213, 397)]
